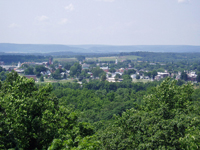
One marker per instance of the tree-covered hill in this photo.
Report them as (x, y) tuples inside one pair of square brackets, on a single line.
[(164, 56), (48, 48)]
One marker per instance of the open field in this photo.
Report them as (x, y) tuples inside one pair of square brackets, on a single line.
[(113, 58), (141, 80), (65, 59), (54, 81), (60, 81)]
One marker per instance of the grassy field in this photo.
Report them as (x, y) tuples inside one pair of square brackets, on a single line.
[(141, 80), (54, 81), (65, 59), (113, 58)]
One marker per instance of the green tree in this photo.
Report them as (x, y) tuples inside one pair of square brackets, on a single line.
[(67, 66), (75, 70), (31, 117), (39, 69), (131, 71), (127, 78), (167, 120), (154, 73), (80, 57), (112, 70), (103, 77), (180, 82), (3, 75), (56, 74), (41, 78), (184, 76), (137, 76), (25, 66), (29, 71), (117, 77), (52, 66), (97, 72), (198, 68), (65, 76), (2, 69), (198, 77)]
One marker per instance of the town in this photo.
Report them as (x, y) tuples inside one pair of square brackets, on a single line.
[(112, 71)]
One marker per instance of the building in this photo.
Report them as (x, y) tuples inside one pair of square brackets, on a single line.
[(192, 76), (8, 68), (121, 70), (19, 64), (111, 80), (85, 66), (161, 75), (19, 70), (106, 69), (50, 61)]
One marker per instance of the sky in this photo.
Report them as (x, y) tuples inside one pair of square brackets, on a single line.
[(107, 22)]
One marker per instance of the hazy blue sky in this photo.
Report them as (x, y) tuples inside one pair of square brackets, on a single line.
[(113, 22)]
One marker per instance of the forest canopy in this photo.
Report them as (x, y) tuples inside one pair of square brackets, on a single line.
[(153, 116)]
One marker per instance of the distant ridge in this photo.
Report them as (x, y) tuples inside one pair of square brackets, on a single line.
[(49, 48)]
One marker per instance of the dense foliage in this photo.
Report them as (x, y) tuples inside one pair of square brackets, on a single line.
[(167, 120), (31, 117), (3, 74), (163, 57), (153, 115)]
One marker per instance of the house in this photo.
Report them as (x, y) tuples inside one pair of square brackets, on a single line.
[(121, 70), (85, 66), (111, 80), (192, 76), (161, 75), (105, 69), (114, 74), (133, 76), (8, 68), (19, 70)]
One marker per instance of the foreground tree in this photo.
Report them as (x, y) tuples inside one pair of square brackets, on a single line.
[(31, 117), (167, 120)]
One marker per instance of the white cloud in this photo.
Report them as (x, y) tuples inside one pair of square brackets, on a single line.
[(69, 7), (109, 0), (183, 1), (42, 18), (13, 25), (63, 21), (106, 0)]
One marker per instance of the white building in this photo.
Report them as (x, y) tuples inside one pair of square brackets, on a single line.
[(19, 64)]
